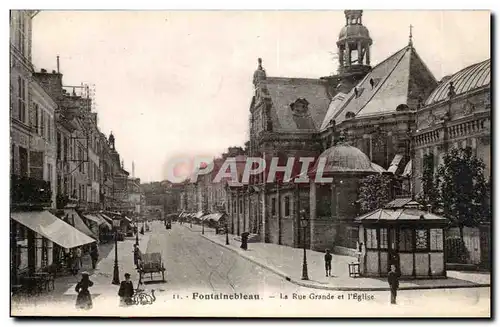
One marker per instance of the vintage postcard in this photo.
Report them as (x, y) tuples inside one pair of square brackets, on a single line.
[(250, 163)]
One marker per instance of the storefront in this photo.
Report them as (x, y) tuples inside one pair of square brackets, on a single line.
[(40, 238)]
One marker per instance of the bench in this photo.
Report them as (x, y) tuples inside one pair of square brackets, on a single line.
[(354, 269), (151, 263)]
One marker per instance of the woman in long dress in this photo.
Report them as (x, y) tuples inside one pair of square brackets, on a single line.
[(84, 298)]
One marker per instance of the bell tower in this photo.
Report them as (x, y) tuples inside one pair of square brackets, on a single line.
[(353, 50)]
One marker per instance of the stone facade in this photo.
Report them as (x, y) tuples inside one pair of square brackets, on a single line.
[(456, 117), (379, 112)]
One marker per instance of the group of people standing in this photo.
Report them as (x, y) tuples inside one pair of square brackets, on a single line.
[(74, 258)]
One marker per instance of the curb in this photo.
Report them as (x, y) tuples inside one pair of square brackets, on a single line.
[(340, 288)]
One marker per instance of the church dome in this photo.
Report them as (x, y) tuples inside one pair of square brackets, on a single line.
[(345, 159), (356, 31)]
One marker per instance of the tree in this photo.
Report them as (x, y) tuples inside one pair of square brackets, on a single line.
[(374, 192), (463, 188), (430, 184)]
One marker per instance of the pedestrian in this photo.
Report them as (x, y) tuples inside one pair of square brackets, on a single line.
[(328, 263), (393, 279), (137, 256), (84, 298), (75, 263), (126, 291), (94, 255), (79, 256)]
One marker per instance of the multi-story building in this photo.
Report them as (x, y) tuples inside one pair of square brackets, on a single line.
[(21, 71), (37, 235)]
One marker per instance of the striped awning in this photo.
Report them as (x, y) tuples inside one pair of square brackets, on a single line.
[(52, 228), (74, 219)]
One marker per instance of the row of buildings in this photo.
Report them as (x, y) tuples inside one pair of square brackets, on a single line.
[(64, 170), (364, 120)]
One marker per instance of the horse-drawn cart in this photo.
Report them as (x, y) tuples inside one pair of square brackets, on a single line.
[(151, 263)]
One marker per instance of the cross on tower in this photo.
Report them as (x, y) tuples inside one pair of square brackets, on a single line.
[(411, 36)]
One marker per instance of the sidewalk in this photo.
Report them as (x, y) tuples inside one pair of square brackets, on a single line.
[(64, 286), (287, 262)]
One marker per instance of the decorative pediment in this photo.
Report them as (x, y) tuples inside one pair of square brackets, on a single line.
[(431, 119), (468, 108), (300, 107)]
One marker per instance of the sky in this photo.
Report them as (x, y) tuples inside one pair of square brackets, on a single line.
[(179, 83)]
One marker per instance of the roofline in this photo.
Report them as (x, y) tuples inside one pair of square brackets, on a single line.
[(425, 65), (451, 77), (348, 96), (273, 80), (474, 64)]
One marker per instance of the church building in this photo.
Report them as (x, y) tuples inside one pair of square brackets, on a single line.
[(361, 120)]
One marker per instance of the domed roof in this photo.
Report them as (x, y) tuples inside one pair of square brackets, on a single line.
[(468, 79), (353, 32), (344, 159)]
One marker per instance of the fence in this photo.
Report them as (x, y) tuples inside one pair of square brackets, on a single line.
[(468, 251)]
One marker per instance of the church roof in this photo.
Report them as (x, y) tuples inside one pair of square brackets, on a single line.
[(399, 79), (285, 91), (467, 79)]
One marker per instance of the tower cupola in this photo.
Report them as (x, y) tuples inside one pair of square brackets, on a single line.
[(354, 43)]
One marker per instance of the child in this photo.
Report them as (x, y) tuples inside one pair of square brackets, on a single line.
[(126, 291), (328, 263)]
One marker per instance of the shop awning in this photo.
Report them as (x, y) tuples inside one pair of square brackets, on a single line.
[(75, 218), (106, 218), (92, 218), (213, 216), (198, 215), (206, 217), (395, 163), (98, 219), (127, 219), (52, 228)]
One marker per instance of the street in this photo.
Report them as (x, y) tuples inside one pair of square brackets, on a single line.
[(198, 271)]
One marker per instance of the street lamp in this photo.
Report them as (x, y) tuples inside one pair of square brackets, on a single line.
[(203, 226), (137, 231), (227, 235), (303, 223), (116, 273)]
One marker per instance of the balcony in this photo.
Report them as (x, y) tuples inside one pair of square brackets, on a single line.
[(29, 192)]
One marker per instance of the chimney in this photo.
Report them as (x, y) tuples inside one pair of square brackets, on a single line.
[(43, 70), (58, 64), (53, 71)]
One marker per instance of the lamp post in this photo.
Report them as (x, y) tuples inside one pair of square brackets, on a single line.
[(116, 273), (304, 223), (227, 233), (203, 226), (137, 231)]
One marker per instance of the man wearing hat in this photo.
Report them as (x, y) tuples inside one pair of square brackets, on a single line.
[(126, 291)]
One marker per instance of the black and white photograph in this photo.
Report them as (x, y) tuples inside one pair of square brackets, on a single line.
[(250, 163)]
